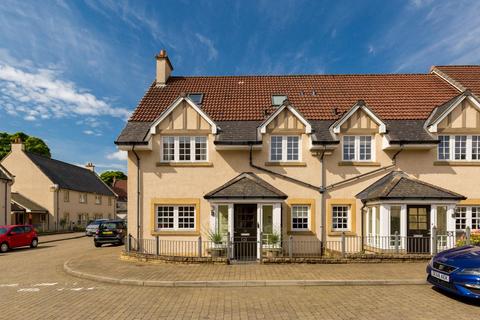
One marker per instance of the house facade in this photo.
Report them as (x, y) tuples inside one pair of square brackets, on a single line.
[(307, 156), (52, 194), (6, 181)]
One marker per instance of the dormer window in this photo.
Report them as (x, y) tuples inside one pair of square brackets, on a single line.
[(197, 98), (277, 100)]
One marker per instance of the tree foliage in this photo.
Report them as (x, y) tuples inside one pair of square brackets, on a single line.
[(108, 176), (32, 144)]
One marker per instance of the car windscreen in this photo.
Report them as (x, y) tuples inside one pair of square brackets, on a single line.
[(3, 230), (94, 224)]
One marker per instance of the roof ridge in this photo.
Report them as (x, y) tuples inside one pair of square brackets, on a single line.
[(300, 75)]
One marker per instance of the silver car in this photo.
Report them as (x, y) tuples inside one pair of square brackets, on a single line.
[(92, 227)]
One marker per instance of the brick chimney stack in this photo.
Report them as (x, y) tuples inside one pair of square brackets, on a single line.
[(164, 68), (17, 145)]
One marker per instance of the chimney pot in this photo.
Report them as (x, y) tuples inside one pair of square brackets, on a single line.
[(90, 166)]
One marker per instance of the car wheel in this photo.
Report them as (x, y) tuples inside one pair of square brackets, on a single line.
[(98, 245), (4, 247), (34, 243)]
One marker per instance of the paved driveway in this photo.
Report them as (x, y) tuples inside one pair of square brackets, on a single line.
[(34, 286)]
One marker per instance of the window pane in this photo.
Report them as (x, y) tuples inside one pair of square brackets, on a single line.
[(223, 219), (444, 148), (394, 223), (168, 148), (475, 218), (340, 218), (460, 218), (277, 100), (184, 148), (460, 147), (365, 147), (348, 148), (200, 148), (442, 220), (377, 220), (165, 216), (475, 147), (300, 217), (292, 148), (186, 217), (267, 219), (276, 148), (197, 98), (370, 220)]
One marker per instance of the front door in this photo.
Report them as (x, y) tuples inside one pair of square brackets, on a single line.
[(245, 232), (418, 230)]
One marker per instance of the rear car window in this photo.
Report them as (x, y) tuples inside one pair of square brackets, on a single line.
[(28, 229)]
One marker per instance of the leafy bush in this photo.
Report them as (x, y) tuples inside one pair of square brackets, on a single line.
[(474, 239), (215, 236)]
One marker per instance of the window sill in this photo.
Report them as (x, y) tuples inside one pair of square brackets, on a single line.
[(359, 163), (285, 164), (175, 233), (184, 164), (339, 233), (301, 233), (456, 163)]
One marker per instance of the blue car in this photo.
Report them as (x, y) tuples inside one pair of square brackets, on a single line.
[(457, 270)]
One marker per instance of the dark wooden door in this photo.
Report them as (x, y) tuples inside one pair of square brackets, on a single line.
[(418, 229), (245, 232)]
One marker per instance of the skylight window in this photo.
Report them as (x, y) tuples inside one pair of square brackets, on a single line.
[(197, 98), (277, 100)]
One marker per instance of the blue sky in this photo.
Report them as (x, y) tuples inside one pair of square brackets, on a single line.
[(72, 71)]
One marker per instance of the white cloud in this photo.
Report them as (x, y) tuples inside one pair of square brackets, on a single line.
[(118, 155), (40, 93), (212, 51)]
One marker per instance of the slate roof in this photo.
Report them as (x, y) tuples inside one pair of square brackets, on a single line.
[(19, 200), (69, 176), (134, 132), (234, 132), (468, 76), (399, 186), (247, 185), (4, 174), (408, 131)]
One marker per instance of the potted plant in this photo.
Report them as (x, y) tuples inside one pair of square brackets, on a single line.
[(273, 245), (218, 249)]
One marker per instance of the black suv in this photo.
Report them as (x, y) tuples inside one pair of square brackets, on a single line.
[(110, 231)]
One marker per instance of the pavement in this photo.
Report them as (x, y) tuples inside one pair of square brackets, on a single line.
[(60, 237), (33, 285), (110, 269)]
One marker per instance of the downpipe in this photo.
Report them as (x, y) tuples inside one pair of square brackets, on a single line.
[(138, 193)]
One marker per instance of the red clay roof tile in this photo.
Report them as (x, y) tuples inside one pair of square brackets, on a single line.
[(467, 76)]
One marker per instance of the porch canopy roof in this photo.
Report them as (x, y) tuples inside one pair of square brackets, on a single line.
[(246, 186), (397, 185), (20, 203)]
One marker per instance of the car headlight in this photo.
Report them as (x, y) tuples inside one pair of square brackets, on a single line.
[(470, 272)]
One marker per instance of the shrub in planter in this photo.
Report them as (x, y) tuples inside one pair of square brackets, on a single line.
[(474, 239), (218, 249), (273, 245)]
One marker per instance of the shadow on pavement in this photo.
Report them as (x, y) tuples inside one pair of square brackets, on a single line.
[(469, 301)]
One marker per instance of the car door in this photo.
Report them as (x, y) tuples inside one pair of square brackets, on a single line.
[(16, 237), (27, 236)]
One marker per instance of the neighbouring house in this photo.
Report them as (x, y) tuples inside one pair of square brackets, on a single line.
[(120, 188), (315, 157), (6, 180), (54, 195)]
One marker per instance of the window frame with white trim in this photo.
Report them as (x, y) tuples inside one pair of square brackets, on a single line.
[(176, 149), (358, 147), (338, 220), (458, 147), (287, 148), (467, 216), (175, 219), (296, 220)]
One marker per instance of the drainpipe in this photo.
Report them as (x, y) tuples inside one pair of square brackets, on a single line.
[(323, 199), (6, 208), (363, 224), (138, 192)]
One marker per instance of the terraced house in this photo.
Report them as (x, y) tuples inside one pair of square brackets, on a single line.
[(52, 194), (315, 157)]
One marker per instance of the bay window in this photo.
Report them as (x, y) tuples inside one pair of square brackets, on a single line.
[(184, 149), (357, 148), (284, 148), (459, 147), (175, 217), (467, 217)]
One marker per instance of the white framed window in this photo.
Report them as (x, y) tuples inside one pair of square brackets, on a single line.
[(475, 218), (83, 197), (285, 148), (98, 199), (357, 148), (184, 149), (175, 217), (300, 217), (459, 147), (340, 218), (460, 218)]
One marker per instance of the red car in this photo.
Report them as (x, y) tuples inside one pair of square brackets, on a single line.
[(17, 236)]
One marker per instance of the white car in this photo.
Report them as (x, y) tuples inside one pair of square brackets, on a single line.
[(92, 227)]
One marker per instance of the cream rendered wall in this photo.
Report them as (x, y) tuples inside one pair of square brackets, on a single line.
[(5, 187), (30, 180)]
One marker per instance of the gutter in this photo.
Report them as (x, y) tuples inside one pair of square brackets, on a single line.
[(138, 193)]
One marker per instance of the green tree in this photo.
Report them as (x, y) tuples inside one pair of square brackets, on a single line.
[(32, 144), (108, 176)]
